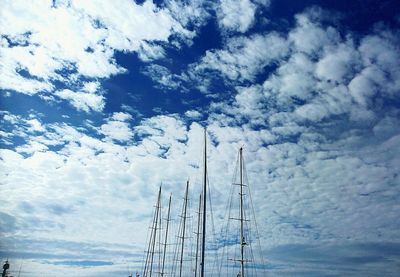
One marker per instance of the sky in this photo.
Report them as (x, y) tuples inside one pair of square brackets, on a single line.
[(103, 101)]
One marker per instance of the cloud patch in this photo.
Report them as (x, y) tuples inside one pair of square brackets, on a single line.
[(244, 57), (67, 41), (117, 128)]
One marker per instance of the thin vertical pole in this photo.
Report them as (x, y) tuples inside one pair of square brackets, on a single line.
[(198, 237), (155, 232), (184, 225), (204, 205), (150, 253), (148, 249), (159, 236), (242, 242), (166, 236)]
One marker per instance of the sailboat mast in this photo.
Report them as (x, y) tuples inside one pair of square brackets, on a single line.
[(166, 236), (184, 226), (155, 231), (149, 247), (242, 241), (204, 205), (198, 237)]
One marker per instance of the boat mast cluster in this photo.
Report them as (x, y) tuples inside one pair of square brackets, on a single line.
[(157, 244), (159, 239)]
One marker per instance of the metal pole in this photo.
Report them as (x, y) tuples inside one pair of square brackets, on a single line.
[(204, 204), (184, 225), (148, 254), (242, 242), (166, 236), (155, 232), (198, 237)]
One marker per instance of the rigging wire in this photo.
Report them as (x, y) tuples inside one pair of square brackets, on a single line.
[(254, 261), (262, 261), (226, 230), (151, 238), (216, 259)]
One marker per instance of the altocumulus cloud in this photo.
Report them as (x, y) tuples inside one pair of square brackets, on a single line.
[(314, 103)]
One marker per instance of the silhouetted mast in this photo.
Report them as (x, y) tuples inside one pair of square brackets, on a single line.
[(153, 238), (183, 216), (19, 271), (204, 206), (166, 237), (198, 238), (184, 227), (242, 241)]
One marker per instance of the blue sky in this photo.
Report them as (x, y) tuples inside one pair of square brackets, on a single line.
[(102, 101)]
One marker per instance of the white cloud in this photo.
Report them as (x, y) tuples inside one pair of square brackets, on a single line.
[(300, 180), (193, 114), (250, 103), (244, 57), (386, 127), (339, 63), (380, 49), (91, 87), (116, 130), (12, 118), (11, 80), (335, 101), (117, 127), (32, 148), (163, 76), (120, 116), (236, 15), (293, 78), (149, 52), (36, 126), (363, 87), (164, 128), (57, 39), (191, 14), (331, 76), (309, 36), (148, 23), (78, 36), (82, 101), (309, 164)]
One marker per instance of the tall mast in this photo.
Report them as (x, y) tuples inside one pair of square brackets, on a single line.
[(184, 226), (242, 241), (204, 205), (166, 236), (153, 238), (155, 231), (198, 237)]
